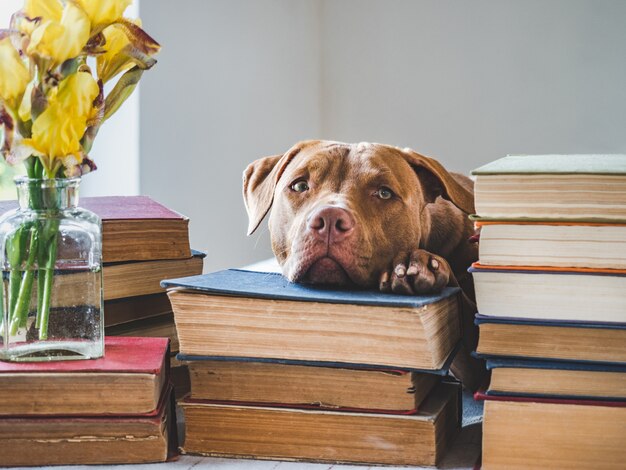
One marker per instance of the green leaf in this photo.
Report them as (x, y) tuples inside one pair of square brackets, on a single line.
[(121, 91)]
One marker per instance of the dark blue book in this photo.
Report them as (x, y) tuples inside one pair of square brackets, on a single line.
[(580, 341), (262, 316), (557, 379)]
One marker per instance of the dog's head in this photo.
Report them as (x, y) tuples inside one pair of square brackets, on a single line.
[(341, 212)]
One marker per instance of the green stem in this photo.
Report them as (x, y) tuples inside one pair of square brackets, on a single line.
[(20, 315), (16, 253), (41, 282), (51, 237)]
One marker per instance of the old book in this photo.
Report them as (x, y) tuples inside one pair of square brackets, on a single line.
[(128, 380), (144, 277), (129, 279), (573, 187), (330, 436), (557, 244), (534, 433), (161, 326), (324, 387), (557, 379), (88, 440), (574, 294), (120, 311), (135, 228), (261, 315), (576, 341)]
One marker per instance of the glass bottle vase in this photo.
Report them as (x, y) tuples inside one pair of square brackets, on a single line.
[(51, 258)]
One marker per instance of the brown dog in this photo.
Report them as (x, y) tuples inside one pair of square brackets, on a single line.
[(368, 215)]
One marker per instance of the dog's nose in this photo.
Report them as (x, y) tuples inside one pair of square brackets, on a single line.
[(331, 223)]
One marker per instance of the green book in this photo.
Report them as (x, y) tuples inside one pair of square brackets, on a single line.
[(573, 188)]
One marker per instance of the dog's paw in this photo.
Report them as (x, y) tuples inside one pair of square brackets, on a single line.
[(416, 272)]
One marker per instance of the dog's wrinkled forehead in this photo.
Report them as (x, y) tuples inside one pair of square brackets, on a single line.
[(339, 163)]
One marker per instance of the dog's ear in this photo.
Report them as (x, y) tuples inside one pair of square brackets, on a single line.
[(259, 182), (438, 182)]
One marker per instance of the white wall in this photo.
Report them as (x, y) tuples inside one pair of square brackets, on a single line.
[(236, 80), (466, 82), (116, 148)]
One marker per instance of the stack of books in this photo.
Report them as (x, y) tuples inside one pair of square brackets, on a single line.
[(117, 409), (285, 371), (143, 242), (551, 294)]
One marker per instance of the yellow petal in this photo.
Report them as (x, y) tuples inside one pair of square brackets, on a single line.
[(61, 40), (56, 133), (14, 75), (104, 12), (112, 62), (47, 10), (25, 105)]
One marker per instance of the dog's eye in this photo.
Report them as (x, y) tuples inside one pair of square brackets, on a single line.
[(384, 193), (300, 186)]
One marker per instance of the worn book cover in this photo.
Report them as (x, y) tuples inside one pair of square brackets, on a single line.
[(335, 388), (539, 433), (248, 314), (265, 432), (128, 380), (552, 187), (552, 340), (556, 379), (89, 440)]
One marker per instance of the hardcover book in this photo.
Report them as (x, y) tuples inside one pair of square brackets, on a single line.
[(129, 380), (534, 433), (129, 279), (88, 440), (549, 187), (135, 228), (560, 294), (309, 386), (557, 379), (162, 326), (248, 314), (263, 432), (120, 311), (557, 244), (552, 340)]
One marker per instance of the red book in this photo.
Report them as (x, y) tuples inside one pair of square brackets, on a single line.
[(135, 228), (129, 380)]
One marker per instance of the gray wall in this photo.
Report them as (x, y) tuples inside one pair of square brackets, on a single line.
[(466, 82), (236, 80)]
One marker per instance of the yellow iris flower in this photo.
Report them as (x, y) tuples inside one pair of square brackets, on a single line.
[(14, 75), (103, 12), (57, 132), (113, 60), (58, 38)]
